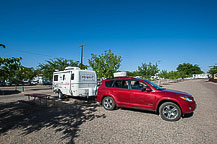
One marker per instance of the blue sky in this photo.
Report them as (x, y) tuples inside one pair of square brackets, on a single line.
[(172, 31)]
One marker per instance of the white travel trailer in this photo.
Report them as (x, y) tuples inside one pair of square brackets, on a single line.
[(75, 82)]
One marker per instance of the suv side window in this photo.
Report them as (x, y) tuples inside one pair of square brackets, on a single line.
[(137, 85), (109, 83), (121, 84)]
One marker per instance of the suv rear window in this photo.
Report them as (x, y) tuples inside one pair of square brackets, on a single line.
[(109, 83)]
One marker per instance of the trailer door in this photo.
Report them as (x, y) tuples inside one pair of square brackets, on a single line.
[(66, 83)]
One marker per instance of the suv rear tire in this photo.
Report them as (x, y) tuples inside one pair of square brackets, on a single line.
[(108, 103), (170, 111)]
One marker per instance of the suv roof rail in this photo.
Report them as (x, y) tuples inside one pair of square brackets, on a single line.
[(121, 77)]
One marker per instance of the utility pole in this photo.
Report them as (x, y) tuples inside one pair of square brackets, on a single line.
[(82, 55), (159, 82)]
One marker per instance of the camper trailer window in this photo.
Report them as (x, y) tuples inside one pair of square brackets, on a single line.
[(55, 77), (72, 76), (63, 77)]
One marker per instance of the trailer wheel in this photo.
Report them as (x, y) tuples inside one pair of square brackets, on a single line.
[(60, 94)]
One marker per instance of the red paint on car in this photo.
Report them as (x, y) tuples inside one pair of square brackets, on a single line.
[(133, 93)]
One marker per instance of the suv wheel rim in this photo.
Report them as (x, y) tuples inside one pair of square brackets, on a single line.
[(170, 112), (108, 103)]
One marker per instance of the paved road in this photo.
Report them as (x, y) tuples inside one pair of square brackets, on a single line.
[(80, 121), (8, 94)]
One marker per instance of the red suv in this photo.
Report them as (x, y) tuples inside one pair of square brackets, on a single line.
[(144, 94)]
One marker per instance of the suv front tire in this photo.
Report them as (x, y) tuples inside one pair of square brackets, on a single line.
[(170, 111)]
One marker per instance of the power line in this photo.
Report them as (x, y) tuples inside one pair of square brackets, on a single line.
[(33, 53)]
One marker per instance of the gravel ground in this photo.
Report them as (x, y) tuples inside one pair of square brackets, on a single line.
[(82, 121)]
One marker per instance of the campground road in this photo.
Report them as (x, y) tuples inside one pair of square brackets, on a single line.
[(131, 126), (84, 122)]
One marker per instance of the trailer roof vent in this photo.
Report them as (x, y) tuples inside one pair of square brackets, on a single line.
[(72, 68)]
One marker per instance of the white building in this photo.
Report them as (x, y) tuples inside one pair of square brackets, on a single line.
[(200, 76)]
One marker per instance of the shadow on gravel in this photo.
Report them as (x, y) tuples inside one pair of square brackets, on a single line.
[(140, 110), (37, 89), (188, 115), (64, 118), (9, 92)]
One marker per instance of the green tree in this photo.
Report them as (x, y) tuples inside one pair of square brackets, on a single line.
[(8, 67), (25, 73), (170, 75), (174, 75), (132, 74), (56, 64), (105, 64), (213, 70), (164, 74), (187, 69), (147, 70), (3, 45)]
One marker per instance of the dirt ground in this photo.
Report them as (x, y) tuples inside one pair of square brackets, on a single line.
[(83, 121)]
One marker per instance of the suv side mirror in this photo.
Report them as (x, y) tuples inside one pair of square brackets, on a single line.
[(148, 89)]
